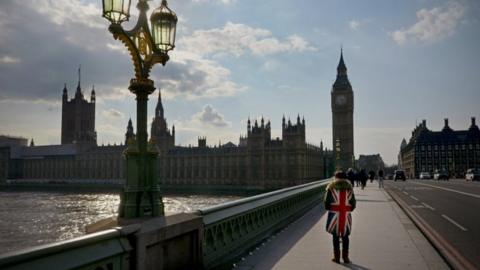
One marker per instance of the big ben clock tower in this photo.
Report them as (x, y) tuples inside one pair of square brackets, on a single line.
[(342, 118)]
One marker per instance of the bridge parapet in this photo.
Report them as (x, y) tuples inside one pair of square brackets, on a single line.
[(221, 233), (232, 228), (108, 249)]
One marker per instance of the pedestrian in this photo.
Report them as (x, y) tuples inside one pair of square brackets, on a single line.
[(371, 176), (362, 175), (340, 202), (380, 179), (351, 176), (357, 178)]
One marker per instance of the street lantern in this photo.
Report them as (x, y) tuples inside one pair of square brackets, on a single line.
[(141, 194), (164, 26), (116, 11)]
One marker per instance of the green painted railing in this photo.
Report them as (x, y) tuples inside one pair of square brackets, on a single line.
[(232, 228), (106, 250)]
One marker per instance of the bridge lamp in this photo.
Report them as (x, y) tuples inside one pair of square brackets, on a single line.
[(148, 43), (164, 26), (116, 11)]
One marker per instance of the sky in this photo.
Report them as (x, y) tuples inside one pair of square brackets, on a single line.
[(234, 59)]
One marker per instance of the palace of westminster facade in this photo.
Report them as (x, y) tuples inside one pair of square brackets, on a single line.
[(257, 161)]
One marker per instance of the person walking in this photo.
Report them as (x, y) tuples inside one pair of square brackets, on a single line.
[(380, 179), (362, 175), (371, 175), (340, 202), (351, 176)]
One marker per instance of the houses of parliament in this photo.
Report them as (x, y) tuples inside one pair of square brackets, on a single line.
[(257, 161)]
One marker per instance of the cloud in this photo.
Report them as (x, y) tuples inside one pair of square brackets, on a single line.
[(61, 12), (210, 116), (192, 76), (207, 118), (68, 33), (112, 113), (354, 25), (208, 122), (9, 60), (238, 39), (432, 25)]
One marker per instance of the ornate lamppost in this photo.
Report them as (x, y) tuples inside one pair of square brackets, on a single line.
[(147, 46)]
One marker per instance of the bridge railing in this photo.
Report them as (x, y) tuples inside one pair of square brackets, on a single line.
[(232, 228), (221, 232), (108, 249)]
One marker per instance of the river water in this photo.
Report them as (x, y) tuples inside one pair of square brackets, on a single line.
[(29, 219)]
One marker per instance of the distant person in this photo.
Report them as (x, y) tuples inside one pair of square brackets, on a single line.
[(351, 176), (371, 176), (357, 178), (363, 177), (340, 202), (380, 179)]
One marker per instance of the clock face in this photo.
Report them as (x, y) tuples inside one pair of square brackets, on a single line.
[(341, 100)]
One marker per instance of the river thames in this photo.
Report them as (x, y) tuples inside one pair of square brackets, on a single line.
[(29, 218)]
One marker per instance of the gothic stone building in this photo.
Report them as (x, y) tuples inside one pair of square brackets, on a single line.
[(453, 150), (257, 162)]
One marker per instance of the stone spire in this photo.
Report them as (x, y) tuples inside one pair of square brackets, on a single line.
[(341, 68), (65, 94), (92, 94), (129, 134), (159, 108), (78, 93), (342, 82)]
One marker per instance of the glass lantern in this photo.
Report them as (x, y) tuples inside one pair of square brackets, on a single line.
[(164, 26), (116, 11)]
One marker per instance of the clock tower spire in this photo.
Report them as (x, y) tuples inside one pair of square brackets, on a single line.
[(342, 117)]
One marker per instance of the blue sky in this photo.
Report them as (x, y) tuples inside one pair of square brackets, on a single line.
[(407, 61)]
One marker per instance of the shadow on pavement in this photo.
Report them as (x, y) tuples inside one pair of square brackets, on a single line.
[(355, 266), (290, 236)]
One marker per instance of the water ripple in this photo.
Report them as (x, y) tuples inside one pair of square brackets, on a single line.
[(33, 218)]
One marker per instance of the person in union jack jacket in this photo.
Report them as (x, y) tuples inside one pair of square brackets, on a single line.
[(340, 202)]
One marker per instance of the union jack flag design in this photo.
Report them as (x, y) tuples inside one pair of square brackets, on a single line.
[(339, 219)]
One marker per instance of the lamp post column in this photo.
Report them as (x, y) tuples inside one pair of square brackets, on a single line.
[(141, 195)]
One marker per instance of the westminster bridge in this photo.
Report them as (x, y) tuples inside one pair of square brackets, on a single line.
[(282, 229)]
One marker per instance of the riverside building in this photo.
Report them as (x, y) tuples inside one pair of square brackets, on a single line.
[(453, 150)]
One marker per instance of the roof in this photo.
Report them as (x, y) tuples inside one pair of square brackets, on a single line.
[(44, 150)]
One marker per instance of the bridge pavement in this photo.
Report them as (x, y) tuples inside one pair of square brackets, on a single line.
[(383, 237)]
